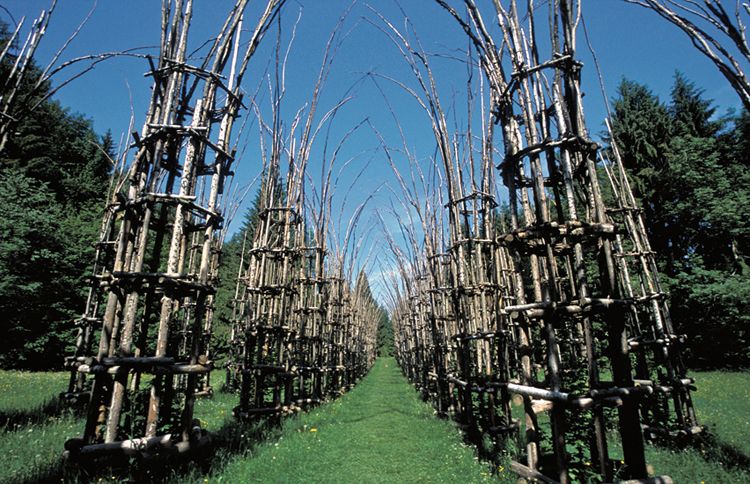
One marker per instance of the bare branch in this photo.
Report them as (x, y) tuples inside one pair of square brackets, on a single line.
[(715, 33)]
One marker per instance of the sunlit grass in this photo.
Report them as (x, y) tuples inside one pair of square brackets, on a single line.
[(25, 392), (723, 404), (379, 432), (33, 452)]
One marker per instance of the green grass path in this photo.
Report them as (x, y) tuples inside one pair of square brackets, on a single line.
[(379, 432)]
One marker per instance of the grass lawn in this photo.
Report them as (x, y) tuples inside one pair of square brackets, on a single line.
[(24, 393), (32, 451), (723, 405), (379, 432), (32, 423)]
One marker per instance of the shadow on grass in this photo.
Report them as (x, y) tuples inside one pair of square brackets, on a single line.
[(713, 449), (233, 439), (47, 473), (11, 420)]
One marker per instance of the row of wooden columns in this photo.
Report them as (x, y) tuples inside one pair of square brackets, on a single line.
[(301, 333), (304, 333), (554, 300)]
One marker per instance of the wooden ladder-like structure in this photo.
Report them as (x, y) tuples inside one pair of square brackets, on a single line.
[(651, 334), (562, 308), (157, 288), (271, 292)]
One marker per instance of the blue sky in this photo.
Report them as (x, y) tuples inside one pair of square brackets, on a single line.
[(629, 41)]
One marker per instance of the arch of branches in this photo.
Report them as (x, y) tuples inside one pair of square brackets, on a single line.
[(541, 322), (539, 325), (301, 332)]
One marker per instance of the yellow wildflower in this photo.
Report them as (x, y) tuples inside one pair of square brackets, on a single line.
[(313, 429)]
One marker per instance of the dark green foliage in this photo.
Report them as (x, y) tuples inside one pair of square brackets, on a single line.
[(385, 328), (225, 292), (45, 251), (54, 173), (252, 217), (641, 127), (689, 171), (691, 114), (229, 266), (385, 335), (31, 258), (713, 309)]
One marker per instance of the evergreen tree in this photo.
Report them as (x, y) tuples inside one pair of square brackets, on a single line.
[(690, 113), (641, 127), (229, 267), (54, 172), (385, 335), (385, 327), (690, 173)]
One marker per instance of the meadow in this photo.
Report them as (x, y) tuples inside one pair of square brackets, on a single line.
[(380, 431)]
